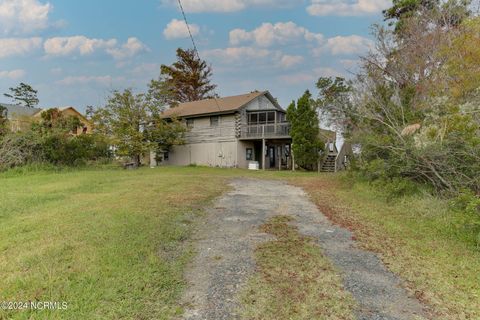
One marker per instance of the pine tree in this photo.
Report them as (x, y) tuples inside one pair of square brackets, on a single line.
[(188, 79), (23, 94), (305, 132)]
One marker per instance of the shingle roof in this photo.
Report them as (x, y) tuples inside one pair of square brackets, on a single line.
[(219, 105), (16, 111)]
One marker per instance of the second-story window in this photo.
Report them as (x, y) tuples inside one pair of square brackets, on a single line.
[(190, 123), (214, 121), (262, 117)]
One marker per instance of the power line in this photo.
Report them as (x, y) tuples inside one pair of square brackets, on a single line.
[(194, 45), (188, 28)]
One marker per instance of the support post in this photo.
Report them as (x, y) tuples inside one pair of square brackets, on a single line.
[(279, 158), (263, 154), (293, 157)]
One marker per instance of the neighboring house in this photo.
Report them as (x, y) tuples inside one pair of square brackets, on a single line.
[(84, 128), (232, 132), (20, 118)]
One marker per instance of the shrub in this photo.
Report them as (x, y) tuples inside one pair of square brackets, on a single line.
[(19, 149), (69, 150)]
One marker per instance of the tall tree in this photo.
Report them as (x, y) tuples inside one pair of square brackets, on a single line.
[(134, 125), (188, 79), (334, 103), (445, 13), (24, 95), (305, 132)]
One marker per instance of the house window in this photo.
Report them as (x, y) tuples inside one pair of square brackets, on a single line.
[(271, 117), (264, 117), (165, 156), (190, 123), (249, 154), (214, 121)]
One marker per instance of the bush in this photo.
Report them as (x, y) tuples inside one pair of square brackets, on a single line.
[(19, 149), (61, 149)]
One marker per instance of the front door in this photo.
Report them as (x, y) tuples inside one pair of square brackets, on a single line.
[(271, 156)]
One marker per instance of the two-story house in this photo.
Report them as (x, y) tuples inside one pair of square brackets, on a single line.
[(233, 131)]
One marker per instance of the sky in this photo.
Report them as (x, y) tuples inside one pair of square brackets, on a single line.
[(75, 53)]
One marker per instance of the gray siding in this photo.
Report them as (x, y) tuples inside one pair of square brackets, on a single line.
[(260, 103), (202, 132)]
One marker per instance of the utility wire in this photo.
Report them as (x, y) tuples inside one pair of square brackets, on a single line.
[(194, 45), (188, 28)]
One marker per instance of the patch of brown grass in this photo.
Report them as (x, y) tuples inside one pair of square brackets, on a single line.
[(293, 279), (415, 238)]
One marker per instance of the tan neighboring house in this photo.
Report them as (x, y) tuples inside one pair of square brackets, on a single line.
[(235, 132), (84, 128), (20, 118)]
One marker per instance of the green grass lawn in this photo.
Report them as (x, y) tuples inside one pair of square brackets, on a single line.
[(113, 244), (110, 243)]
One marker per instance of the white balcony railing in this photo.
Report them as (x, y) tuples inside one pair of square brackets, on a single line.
[(274, 130)]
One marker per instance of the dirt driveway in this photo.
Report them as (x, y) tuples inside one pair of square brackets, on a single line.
[(226, 240)]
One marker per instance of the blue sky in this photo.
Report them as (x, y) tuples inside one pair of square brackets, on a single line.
[(76, 52)]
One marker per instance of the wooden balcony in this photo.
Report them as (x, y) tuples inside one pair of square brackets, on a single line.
[(266, 131)]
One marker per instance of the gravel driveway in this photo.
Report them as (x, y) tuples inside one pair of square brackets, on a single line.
[(229, 234)]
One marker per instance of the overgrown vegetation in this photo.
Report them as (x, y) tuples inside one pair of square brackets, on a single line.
[(432, 243), (294, 279), (49, 139), (414, 108)]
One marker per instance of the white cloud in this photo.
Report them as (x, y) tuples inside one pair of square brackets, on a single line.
[(146, 69), (269, 34), (345, 45), (23, 16), (350, 63), (12, 74), (253, 56), (236, 54), (347, 8), (64, 46), (309, 77), (177, 29), (99, 80), (18, 46), (288, 61), (81, 45), (129, 49), (196, 6)]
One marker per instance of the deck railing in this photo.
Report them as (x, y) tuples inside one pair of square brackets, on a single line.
[(279, 130)]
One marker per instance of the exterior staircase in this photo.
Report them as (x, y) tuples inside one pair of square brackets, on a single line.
[(329, 164)]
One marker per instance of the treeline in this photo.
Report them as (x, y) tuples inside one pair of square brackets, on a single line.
[(126, 128), (413, 110)]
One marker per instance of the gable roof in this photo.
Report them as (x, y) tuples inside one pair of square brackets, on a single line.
[(16, 111), (218, 105), (61, 109)]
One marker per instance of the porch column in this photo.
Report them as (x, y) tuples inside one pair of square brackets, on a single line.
[(263, 154), (293, 157), (279, 157)]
